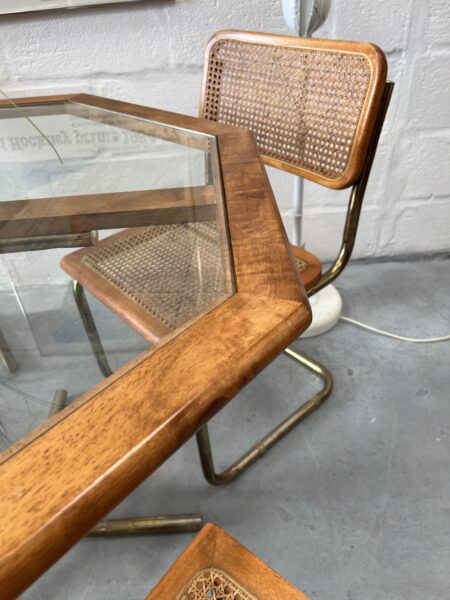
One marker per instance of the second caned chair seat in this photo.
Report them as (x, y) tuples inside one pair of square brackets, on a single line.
[(157, 278)]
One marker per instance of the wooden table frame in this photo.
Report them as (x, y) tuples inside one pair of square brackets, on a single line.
[(74, 215), (67, 475)]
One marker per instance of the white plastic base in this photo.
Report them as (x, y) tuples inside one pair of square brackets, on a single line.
[(326, 308)]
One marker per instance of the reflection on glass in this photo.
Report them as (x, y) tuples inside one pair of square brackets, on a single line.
[(144, 202), (98, 157)]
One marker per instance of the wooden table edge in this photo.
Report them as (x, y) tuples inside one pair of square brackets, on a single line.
[(270, 305), (86, 436)]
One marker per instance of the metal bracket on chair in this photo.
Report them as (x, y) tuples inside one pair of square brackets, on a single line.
[(261, 447), (58, 403), (91, 329), (6, 355)]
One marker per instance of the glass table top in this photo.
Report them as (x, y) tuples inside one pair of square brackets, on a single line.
[(101, 151), (143, 201)]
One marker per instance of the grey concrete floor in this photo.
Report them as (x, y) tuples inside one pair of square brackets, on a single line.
[(355, 503)]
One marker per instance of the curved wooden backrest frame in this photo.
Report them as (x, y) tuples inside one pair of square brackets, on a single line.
[(312, 104)]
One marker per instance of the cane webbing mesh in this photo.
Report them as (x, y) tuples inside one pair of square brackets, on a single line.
[(303, 105), (213, 584), (171, 271), (301, 264)]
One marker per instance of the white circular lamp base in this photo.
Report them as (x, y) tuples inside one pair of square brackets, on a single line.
[(326, 308)]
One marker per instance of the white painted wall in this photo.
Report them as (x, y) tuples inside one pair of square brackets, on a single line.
[(152, 54)]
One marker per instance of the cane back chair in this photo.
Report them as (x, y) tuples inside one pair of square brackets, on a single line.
[(316, 108)]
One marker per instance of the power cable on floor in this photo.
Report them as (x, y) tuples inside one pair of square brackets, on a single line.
[(395, 336)]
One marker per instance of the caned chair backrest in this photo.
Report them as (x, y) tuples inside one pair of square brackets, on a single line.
[(312, 104)]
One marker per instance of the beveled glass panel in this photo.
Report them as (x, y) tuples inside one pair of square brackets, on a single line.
[(143, 201), (101, 152)]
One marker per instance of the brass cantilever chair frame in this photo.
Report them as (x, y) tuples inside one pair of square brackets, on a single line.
[(210, 109), (371, 104)]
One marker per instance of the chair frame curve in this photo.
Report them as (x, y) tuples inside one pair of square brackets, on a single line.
[(367, 149), (355, 201), (279, 432)]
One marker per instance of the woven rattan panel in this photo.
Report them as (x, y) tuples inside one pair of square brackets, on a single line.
[(301, 264), (213, 584), (171, 271), (303, 105)]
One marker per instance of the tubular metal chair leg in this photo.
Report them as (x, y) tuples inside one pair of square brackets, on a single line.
[(6, 355), (261, 447), (148, 525), (91, 329), (58, 403), (116, 527)]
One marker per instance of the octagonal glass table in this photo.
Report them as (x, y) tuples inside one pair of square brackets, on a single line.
[(123, 168), (112, 171)]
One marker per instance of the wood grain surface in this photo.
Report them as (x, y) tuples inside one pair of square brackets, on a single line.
[(215, 548), (81, 214), (72, 471), (311, 266)]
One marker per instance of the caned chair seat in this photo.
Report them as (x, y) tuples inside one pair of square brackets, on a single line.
[(309, 266), (215, 566), (157, 278)]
